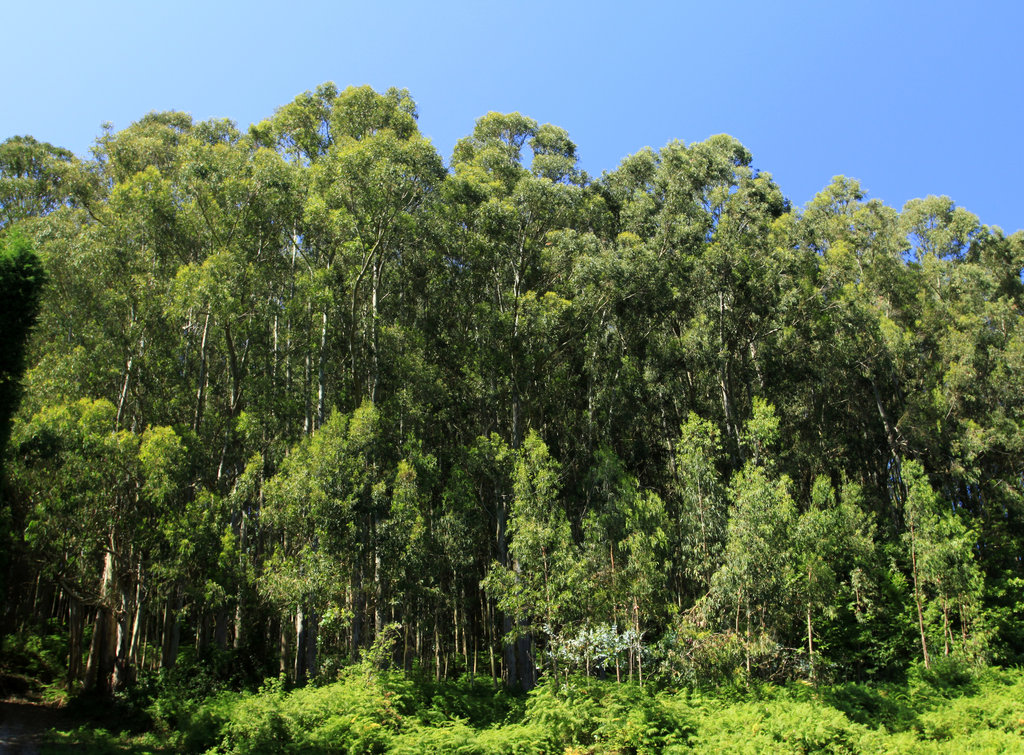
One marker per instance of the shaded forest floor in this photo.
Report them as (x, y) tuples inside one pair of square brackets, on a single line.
[(28, 727)]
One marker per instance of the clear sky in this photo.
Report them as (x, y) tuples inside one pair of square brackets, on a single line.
[(912, 98)]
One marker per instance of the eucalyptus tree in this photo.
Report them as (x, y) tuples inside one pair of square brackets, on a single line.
[(706, 284), (735, 280), (610, 589), (965, 420), (35, 179), (859, 304), (535, 589), (509, 211), (158, 291), (643, 573), (311, 508), (234, 206), (367, 176), (620, 295), (325, 568), (506, 212), (834, 550), (698, 509), (78, 356), (21, 280), (303, 372), (946, 580), (204, 228), (98, 501), (752, 589)]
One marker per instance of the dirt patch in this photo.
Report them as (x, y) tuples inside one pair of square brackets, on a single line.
[(24, 725)]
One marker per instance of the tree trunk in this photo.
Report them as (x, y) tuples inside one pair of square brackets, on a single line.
[(172, 630), (220, 632), (437, 649), (378, 266), (358, 610), (201, 388), (100, 665), (379, 615), (947, 633), (243, 534), (917, 597), (122, 672), (76, 625), (129, 660), (282, 646), (312, 633), (810, 641), (300, 646), (321, 399)]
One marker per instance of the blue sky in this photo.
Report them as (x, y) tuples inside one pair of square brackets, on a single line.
[(911, 98)]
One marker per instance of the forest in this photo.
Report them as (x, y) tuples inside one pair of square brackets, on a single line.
[(301, 401)]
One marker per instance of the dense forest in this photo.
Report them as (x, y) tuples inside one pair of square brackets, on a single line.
[(282, 399)]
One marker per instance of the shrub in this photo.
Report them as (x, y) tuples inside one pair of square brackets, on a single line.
[(638, 722), (778, 726)]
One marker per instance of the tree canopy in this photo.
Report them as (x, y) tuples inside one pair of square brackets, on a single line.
[(297, 388)]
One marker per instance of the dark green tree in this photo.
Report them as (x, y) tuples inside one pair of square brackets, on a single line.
[(21, 280)]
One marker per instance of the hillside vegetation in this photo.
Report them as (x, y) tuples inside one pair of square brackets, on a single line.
[(306, 401)]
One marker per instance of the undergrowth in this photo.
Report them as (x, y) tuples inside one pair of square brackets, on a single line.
[(369, 711)]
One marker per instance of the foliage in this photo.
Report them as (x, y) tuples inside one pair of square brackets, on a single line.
[(301, 396), (981, 711)]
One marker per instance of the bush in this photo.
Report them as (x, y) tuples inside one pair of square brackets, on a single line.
[(475, 700), (568, 711), (458, 737), (607, 717), (638, 722), (993, 712), (370, 711), (359, 714), (778, 726)]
